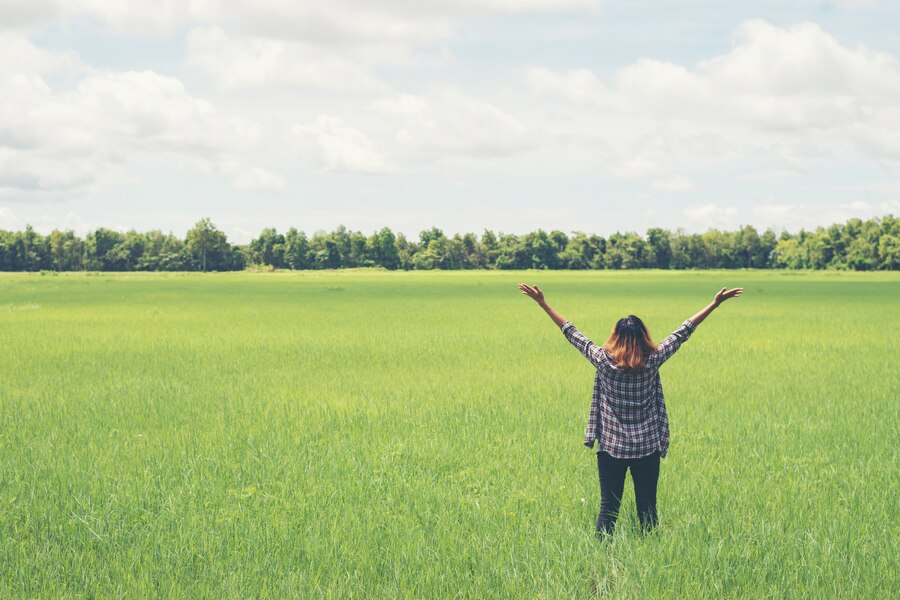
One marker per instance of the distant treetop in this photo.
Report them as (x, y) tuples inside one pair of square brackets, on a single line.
[(858, 245)]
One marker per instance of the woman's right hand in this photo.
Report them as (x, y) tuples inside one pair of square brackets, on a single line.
[(724, 295), (534, 293)]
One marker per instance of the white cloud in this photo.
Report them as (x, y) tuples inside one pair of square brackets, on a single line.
[(579, 86), (800, 61), (339, 22), (712, 216), (341, 147), (849, 4), (300, 82), (8, 220), (678, 183), (775, 213), (780, 102), (792, 216), (147, 110), (143, 17), (24, 14), (789, 97), (249, 177), (20, 57), (334, 21), (255, 62), (402, 131), (444, 122), (328, 45), (63, 138), (770, 174), (44, 223)]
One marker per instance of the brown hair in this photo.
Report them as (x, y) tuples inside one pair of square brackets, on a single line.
[(630, 343)]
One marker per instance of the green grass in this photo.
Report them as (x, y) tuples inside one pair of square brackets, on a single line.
[(384, 435)]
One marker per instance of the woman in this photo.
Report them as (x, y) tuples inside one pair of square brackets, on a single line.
[(628, 417)]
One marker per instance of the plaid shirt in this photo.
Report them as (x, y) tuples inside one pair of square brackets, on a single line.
[(628, 411)]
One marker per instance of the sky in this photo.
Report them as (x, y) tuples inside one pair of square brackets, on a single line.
[(510, 115)]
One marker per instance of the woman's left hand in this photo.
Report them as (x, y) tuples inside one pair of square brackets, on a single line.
[(724, 294)]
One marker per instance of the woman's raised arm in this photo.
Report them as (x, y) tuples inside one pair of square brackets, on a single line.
[(588, 349), (537, 295), (721, 297)]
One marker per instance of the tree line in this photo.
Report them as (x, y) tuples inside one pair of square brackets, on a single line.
[(855, 245)]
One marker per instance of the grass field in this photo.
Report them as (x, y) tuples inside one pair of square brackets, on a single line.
[(383, 435)]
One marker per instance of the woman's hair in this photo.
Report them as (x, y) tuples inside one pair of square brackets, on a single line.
[(630, 343)]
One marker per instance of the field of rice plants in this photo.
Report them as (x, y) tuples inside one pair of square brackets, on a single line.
[(361, 434)]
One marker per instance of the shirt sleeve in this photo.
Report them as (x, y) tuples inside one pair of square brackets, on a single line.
[(589, 349), (673, 342)]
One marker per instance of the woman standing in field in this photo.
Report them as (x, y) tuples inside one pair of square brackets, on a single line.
[(628, 416)]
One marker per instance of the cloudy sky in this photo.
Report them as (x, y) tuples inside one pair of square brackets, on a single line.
[(513, 115)]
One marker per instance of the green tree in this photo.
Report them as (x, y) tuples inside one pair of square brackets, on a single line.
[(406, 250), (819, 249), (441, 253), (359, 251), (766, 257), (542, 251), (66, 250), (127, 253), (627, 251), (268, 248), (32, 250), (748, 248), (856, 244), (97, 249), (862, 255), (382, 248), (660, 243), (7, 251), (425, 237), (342, 240), (473, 252), (689, 251), (328, 256), (296, 250), (428, 258), (209, 250), (162, 252), (789, 254), (490, 247), (889, 251), (721, 250), (511, 254)]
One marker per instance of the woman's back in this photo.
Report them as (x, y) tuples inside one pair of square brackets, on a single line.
[(628, 403)]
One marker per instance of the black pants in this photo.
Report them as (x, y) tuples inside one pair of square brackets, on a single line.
[(644, 473)]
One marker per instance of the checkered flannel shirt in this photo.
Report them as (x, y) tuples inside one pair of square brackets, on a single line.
[(628, 415)]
